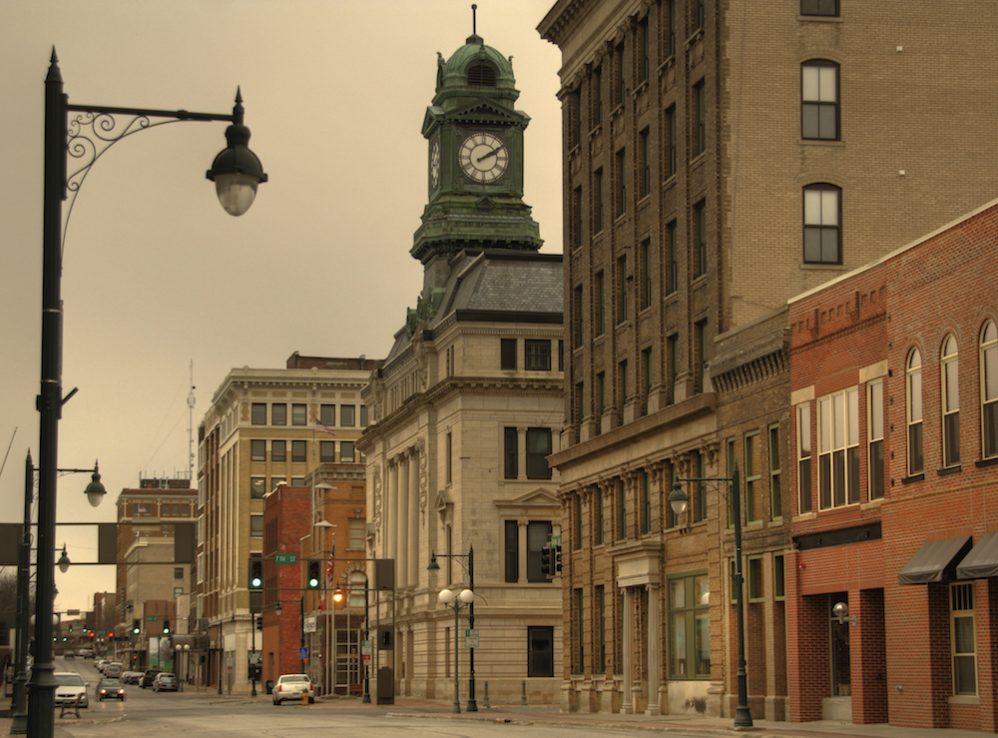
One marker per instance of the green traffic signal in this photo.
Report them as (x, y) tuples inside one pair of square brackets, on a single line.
[(314, 577)]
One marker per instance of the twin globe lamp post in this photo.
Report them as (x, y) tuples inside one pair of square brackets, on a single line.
[(236, 172)]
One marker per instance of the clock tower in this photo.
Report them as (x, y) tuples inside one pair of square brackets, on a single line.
[(474, 177)]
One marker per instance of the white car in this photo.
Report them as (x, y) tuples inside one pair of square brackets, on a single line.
[(292, 686), (71, 689)]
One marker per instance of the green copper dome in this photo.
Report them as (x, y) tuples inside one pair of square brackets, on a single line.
[(475, 70)]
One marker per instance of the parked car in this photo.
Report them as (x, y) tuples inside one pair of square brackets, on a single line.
[(131, 677), (99, 664), (165, 681), (110, 689), (70, 689), (114, 669), (85, 653), (146, 680), (291, 687)]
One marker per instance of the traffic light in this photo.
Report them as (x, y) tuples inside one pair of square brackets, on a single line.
[(557, 559), (314, 574), (92, 635), (256, 573), (166, 627), (110, 635), (259, 623), (546, 568), (136, 628)]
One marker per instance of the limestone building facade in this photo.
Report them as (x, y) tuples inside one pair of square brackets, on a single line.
[(720, 157)]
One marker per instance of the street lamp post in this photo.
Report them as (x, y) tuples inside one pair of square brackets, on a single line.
[(679, 501), (434, 566), (236, 172), (455, 601)]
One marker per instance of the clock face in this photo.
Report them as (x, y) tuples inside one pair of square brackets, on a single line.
[(483, 157), (434, 165)]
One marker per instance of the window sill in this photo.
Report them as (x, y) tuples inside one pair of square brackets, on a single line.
[(819, 18), (699, 158), (875, 502), (596, 130), (913, 478), (948, 470), (833, 142), (669, 62), (964, 699), (981, 463)]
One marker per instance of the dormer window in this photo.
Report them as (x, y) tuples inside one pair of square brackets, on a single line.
[(482, 75)]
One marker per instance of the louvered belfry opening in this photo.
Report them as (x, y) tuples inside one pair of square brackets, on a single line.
[(482, 75)]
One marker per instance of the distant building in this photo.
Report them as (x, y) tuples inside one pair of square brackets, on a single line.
[(265, 428)]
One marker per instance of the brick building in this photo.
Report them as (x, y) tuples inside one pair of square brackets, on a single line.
[(891, 591), (719, 158)]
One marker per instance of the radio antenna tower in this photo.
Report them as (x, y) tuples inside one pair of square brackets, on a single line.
[(191, 402)]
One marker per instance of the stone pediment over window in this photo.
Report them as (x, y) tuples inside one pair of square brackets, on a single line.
[(528, 503)]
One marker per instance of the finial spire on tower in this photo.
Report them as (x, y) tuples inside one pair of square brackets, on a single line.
[(474, 20)]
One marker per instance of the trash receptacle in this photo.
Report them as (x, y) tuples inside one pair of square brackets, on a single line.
[(386, 686), (270, 686)]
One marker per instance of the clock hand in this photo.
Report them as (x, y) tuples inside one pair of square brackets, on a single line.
[(492, 153)]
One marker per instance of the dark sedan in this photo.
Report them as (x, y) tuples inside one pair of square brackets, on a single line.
[(110, 689), (148, 677)]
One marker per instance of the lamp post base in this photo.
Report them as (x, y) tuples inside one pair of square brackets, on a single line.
[(743, 717)]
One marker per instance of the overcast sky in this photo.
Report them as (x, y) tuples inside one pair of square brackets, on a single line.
[(156, 275)]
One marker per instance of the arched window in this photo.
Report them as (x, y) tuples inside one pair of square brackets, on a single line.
[(482, 75), (989, 390), (822, 224), (819, 100), (913, 396), (950, 376)]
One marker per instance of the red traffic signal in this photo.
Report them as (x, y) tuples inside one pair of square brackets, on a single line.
[(110, 635), (92, 635)]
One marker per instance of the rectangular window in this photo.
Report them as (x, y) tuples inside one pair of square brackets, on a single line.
[(838, 449), (327, 452), (279, 414), (578, 397), (538, 449), (577, 316), (600, 395), (621, 173), (913, 389), (700, 488), (598, 200), (363, 413), (178, 572), (698, 14), (752, 503), (348, 416), (699, 127), (805, 502), (537, 355), (670, 141), (347, 455), (819, 7), (258, 450), (577, 521), (619, 84), (700, 342), (621, 289), (538, 535), (819, 115), (448, 451), (689, 627), (646, 273), (510, 453), (672, 366), (643, 61), (256, 526), (699, 239), (597, 95), (779, 578), (258, 487), (756, 591), (599, 617), (575, 232), (597, 503), (644, 485), (622, 386), (644, 163), (298, 451), (671, 259), (950, 403), (258, 413), (299, 414), (599, 304), (989, 390), (775, 487), (875, 437), (578, 612), (540, 651), (645, 378), (730, 454), (621, 497), (963, 638), (278, 450), (561, 355), (574, 112), (670, 27), (327, 415), (668, 475), (822, 224), (356, 535), (511, 550), (507, 353)]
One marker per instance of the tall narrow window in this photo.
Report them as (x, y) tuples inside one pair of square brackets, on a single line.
[(621, 498), (599, 304), (577, 316), (913, 393), (618, 64), (511, 457), (963, 638), (511, 550), (730, 454), (689, 627), (278, 450), (279, 414), (699, 13), (645, 378), (574, 117), (819, 115), (575, 233), (448, 459), (578, 398), (597, 509), (598, 200), (644, 163), (804, 499), (875, 437), (775, 476), (327, 415), (621, 174), (670, 27), (622, 385), (752, 503), (599, 616), (950, 365), (600, 395), (577, 521), (838, 448), (989, 390), (672, 366), (538, 450), (597, 95), (822, 224), (645, 273), (643, 43), (699, 127), (299, 414), (700, 341), (670, 141), (578, 613), (621, 289), (699, 239), (540, 651), (507, 353), (258, 450), (700, 488), (644, 485), (671, 258), (669, 477), (258, 413)]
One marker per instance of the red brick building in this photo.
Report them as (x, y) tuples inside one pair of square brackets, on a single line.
[(891, 588)]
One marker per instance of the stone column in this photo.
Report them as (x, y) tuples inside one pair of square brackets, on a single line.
[(413, 553), (627, 646), (654, 652), (402, 561), (391, 509)]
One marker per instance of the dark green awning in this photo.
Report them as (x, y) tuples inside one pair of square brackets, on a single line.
[(982, 561), (935, 561)]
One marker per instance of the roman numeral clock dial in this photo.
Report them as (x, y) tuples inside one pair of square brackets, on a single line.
[(483, 157)]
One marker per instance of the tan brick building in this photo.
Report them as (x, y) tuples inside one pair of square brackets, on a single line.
[(720, 157)]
